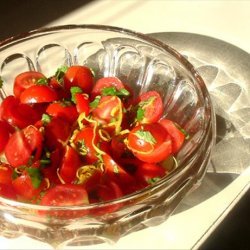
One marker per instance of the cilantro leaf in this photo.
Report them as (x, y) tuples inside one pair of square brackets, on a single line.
[(75, 90), (113, 91), (153, 180), (35, 175), (42, 81), (146, 136), (46, 119), (60, 73), (95, 102), (140, 114)]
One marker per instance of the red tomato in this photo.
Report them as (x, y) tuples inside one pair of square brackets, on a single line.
[(118, 147), (113, 171), (27, 187), (176, 135), (150, 107), (106, 82), (80, 76), (38, 94), (6, 172), (26, 80), (59, 109), (85, 141), (150, 143), (109, 113), (57, 133), (70, 163), (82, 103), (16, 113), (22, 145), (7, 191), (50, 170), (59, 88), (148, 173), (65, 195), (5, 131)]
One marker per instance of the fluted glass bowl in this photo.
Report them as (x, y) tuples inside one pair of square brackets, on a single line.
[(144, 64)]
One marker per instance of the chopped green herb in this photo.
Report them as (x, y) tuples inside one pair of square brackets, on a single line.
[(113, 91), (153, 180), (42, 81), (82, 147), (14, 175), (46, 119), (146, 136), (95, 102), (60, 73), (140, 114), (75, 90), (35, 175)]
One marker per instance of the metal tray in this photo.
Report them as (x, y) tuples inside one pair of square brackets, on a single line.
[(225, 69)]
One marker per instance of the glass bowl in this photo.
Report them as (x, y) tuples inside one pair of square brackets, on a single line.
[(144, 64)]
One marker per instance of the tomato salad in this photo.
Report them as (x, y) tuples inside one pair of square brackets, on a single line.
[(70, 140)]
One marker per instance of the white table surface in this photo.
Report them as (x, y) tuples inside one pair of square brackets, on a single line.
[(225, 20)]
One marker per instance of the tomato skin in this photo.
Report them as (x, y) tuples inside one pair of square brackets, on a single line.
[(80, 76), (59, 109), (6, 172), (22, 144), (5, 131), (82, 104), (89, 138), (104, 83), (113, 171), (145, 172), (65, 195), (153, 110), (38, 94), (118, 147), (16, 113), (24, 188), (176, 135), (57, 133), (7, 191), (105, 192), (25, 80), (70, 163), (50, 171), (147, 151)]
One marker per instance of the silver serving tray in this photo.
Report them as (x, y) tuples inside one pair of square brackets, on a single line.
[(226, 71)]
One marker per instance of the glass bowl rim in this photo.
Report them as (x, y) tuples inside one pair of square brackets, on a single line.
[(163, 46)]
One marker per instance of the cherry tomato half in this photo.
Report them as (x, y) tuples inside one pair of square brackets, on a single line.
[(7, 191), (85, 142), (150, 142), (80, 76), (38, 94), (175, 133), (22, 145), (149, 107), (106, 82), (26, 80), (16, 113), (5, 131), (28, 186), (65, 195), (6, 172), (70, 163), (60, 109)]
